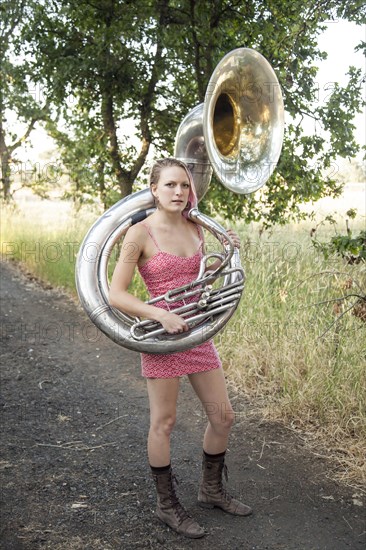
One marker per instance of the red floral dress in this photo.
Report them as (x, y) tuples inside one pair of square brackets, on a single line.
[(163, 272)]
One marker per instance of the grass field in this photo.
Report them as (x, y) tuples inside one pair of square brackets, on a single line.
[(283, 346)]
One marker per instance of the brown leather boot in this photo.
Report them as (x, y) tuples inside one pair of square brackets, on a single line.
[(169, 509), (211, 491)]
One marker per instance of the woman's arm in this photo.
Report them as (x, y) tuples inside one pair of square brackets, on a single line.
[(120, 298)]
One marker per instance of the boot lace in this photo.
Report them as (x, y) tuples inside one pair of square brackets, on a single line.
[(179, 510), (222, 489)]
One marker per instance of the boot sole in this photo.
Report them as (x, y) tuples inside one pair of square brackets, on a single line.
[(187, 535), (210, 506), (206, 505)]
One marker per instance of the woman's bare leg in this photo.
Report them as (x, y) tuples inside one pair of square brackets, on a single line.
[(210, 387), (163, 394)]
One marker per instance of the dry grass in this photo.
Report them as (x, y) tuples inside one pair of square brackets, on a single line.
[(285, 348), (282, 348)]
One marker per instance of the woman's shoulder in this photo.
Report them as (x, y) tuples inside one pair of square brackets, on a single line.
[(137, 233), (196, 228)]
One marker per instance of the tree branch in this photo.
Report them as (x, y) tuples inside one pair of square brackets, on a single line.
[(334, 300), (328, 273), (336, 320), (231, 8), (21, 140), (31, 125)]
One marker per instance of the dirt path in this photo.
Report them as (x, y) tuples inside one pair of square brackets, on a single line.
[(74, 467)]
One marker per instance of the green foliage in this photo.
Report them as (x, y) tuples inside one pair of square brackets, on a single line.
[(103, 64), (351, 248), (18, 97)]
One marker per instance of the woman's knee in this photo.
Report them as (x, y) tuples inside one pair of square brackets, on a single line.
[(163, 425), (222, 420)]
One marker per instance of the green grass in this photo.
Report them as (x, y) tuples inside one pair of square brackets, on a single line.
[(45, 237), (280, 346)]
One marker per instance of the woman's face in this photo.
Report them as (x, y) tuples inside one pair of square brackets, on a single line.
[(172, 189)]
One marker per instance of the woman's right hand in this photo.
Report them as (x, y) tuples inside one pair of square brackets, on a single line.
[(173, 323)]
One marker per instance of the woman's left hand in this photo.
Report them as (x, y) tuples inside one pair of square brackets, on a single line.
[(234, 237)]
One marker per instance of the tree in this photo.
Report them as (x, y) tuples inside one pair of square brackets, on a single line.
[(151, 61), (15, 97), (101, 64)]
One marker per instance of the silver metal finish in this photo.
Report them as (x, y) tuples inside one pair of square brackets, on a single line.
[(146, 336), (190, 147), (238, 130), (238, 133), (244, 120)]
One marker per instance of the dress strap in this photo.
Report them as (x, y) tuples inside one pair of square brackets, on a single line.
[(148, 229), (200, 235)]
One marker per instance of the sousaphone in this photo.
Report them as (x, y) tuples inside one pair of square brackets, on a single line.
[(236, 133)]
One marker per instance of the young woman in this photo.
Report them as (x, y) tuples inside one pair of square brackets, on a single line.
[(169, 250)]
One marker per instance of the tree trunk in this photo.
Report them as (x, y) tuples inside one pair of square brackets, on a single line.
[(101, 183), (110, 129), (6, 152), (126, 178), (5, 165), (201, 87)]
